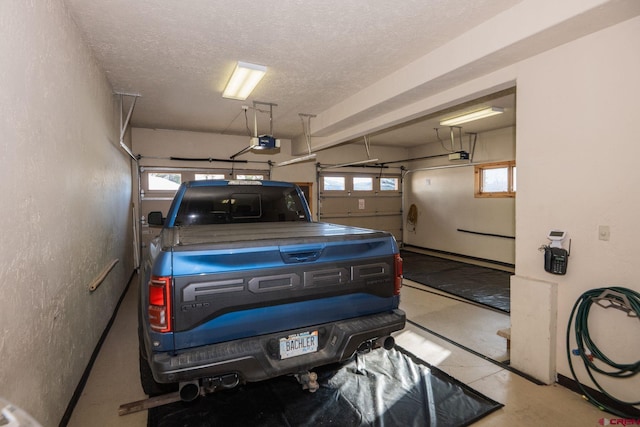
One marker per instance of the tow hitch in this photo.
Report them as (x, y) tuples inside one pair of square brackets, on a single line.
[(309, 381)]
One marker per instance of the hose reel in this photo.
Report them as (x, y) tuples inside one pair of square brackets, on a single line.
[(594, 359), (412, 216)]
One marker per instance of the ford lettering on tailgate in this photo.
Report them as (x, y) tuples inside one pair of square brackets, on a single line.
[(205, 297), (270, 283)]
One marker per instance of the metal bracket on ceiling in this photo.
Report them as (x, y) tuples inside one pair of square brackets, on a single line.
[(366, 146), (306, 129), (360, 163), (255, 116), (473, 138), (124, 122)]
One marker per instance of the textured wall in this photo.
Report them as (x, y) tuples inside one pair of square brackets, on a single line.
[(65, 208)]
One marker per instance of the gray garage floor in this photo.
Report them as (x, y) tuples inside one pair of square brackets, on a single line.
[(114, 379)]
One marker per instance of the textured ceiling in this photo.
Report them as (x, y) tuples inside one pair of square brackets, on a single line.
[(179, 55)]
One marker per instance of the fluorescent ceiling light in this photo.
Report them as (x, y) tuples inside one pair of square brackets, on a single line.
[(474, 115), (296, 160), (244, 79)]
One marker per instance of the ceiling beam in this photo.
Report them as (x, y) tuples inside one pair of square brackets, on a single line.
[(525, 30)]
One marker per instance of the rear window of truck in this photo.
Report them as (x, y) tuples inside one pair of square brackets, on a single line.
[(227, 204)]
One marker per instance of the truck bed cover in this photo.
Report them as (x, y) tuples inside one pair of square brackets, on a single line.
[(289, 233)]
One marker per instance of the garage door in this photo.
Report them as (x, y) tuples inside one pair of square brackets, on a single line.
[(362, 199)]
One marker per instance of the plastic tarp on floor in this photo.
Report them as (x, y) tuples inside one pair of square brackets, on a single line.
[(482, 285), (381, 388)]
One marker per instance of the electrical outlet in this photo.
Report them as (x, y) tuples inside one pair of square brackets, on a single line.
[(603, 232)]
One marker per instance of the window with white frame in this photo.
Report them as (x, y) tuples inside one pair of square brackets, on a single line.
[(158, 182), (250, 177), (207, 176), (389, 184), (163, 181), (333, 183), (362, 183), (349, 182)]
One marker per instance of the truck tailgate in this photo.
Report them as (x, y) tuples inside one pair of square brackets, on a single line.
[(291, 275)]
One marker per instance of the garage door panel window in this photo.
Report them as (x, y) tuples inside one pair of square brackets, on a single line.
[(389, 184), (251, 177), (362, 183), (207, 176), (358, 183), (334, 183), (164, 181)]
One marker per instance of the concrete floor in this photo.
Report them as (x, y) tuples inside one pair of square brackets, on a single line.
[(114, 379)]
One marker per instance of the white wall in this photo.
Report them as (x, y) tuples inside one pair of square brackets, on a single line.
[(65, 209), (578, 168), (445, 201)]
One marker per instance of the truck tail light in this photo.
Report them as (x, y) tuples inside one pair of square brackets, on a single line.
[(160, 304), (397, 273)]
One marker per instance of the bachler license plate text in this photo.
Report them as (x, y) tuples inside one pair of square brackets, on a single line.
[(298, 344)]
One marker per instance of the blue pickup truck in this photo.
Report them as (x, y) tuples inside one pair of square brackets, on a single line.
[(242, 286)]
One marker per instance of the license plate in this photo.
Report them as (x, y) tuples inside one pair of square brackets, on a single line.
[(298, 344)]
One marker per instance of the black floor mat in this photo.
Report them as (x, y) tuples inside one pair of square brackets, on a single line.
[(482, 285), (381, 388)]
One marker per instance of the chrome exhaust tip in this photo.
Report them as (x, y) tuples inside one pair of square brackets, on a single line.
[(189, 391), (229, 381)]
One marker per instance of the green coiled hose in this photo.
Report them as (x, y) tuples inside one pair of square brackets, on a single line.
[(616, 297)]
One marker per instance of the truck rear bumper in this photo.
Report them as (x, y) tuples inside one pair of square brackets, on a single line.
[(258, 358)]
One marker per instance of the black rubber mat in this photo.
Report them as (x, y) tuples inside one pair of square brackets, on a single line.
[(482, 285), (381, 388)]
